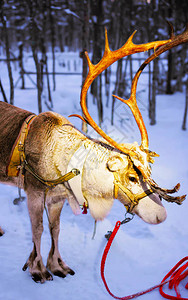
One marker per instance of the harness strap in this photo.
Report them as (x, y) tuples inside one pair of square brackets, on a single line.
[(51, 183), (134, 198), (18, 159), (18, 148)]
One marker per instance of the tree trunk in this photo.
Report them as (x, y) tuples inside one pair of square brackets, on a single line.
[(44, 62), (181, 69), (131, 68), (121, 27), (107, 85), (148, 30), (21, 65), (117, 90), (169, 90), (149, 87), (48, 85), (60, 38), (85, 39), (3, 92), (39, 79), (186, 108), (7, 47), (155, 68), (99, 100), (34, 40), (52, 29), (153, 99), (96, 88)]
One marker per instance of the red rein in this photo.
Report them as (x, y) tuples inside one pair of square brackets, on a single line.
[(174, 277)]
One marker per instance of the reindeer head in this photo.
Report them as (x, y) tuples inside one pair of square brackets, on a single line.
[(130, 163)]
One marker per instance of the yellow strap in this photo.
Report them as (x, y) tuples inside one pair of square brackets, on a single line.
[(51, 183), (118, 185), (116, 188), (134, 198), (144, 194), (18, 148)]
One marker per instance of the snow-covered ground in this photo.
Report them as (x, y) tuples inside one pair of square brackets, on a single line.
[(141, 254)]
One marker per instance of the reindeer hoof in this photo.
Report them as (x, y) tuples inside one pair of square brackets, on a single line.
[(58, 267), (1, 231), (42, 277), (38, 271), (37, 278), (59, 274), (62, 273), (71, 272)]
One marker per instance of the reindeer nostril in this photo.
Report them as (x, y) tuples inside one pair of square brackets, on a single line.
[(161, 217), (158, 220)]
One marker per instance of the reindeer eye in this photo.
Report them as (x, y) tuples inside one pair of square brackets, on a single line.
[(132, 178)]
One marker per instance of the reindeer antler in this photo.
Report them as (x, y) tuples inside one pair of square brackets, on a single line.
[(108, 59), (131, 102)]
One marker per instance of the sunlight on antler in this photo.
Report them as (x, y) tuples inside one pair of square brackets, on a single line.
[(131, 102), (109, 57)]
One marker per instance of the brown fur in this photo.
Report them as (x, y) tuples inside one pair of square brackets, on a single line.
[(12, 119)]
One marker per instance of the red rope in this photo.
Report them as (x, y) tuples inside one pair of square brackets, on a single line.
[(177, 275)]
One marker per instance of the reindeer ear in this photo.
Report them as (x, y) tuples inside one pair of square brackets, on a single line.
[(115, 163)]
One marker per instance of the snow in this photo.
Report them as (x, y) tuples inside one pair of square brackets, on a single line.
[(141, 254)]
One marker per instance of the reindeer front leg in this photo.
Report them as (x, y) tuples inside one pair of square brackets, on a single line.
[(55, 263), (35, 264)]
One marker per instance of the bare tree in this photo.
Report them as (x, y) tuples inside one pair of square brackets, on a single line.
[(122, 24), (85, 45), (52, 31), (3, 92), (44, 61), (21, 65), (186, 108), (34, 36), (38, 23), (7, 47), (96, 88), (152, 103)]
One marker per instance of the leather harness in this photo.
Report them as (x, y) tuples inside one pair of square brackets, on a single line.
[(17, 153), (133, 198), (18, 161)]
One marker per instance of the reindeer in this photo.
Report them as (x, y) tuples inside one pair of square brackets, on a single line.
[(53, 161)]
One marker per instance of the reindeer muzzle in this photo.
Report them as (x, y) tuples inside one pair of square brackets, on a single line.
[(154, 189), (133, 198)]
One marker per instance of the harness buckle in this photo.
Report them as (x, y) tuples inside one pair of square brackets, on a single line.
[(126, 220), (129, 218), (20, 147)]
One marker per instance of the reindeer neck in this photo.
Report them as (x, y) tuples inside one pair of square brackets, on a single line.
[(88, 155)]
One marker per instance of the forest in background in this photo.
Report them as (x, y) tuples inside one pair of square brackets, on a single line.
[(50, 26)]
